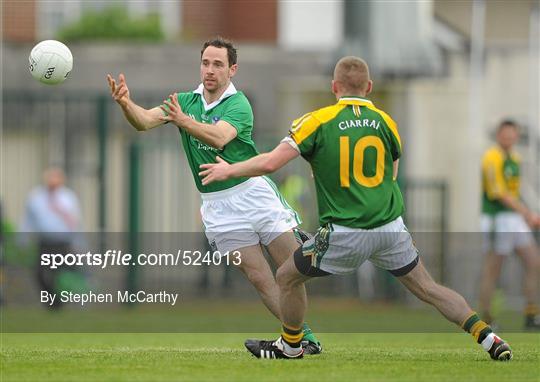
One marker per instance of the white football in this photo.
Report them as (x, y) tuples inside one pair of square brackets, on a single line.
[(50, 62)]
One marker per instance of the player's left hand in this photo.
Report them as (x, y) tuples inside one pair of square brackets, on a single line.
[(215, 172), (173, 111)]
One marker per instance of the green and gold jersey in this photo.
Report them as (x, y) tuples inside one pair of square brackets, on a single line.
[(351, 147), (500, 176), (234, 108)]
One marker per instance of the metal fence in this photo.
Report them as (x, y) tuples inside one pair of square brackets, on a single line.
[(427, 215), (132, 182)]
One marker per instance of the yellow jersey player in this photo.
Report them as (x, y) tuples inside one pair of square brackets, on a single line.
[(353, 149), (506, 223)]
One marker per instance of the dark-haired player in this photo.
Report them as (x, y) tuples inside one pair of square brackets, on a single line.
[(241, 214), (506, 223)]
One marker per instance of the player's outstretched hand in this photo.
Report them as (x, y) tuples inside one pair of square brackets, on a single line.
[(533, 220), (120, 91), (215, 172), (173, 111)]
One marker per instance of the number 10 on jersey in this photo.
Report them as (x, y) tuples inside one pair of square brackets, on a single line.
[(358, 161)]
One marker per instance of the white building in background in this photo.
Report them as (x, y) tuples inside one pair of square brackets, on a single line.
[(311, 25)]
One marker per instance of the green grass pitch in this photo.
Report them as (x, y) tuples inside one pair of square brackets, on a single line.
[(396, 343), (215, 356)]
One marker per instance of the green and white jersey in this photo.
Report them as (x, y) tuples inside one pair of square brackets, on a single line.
[(232, 107), (351, 147)]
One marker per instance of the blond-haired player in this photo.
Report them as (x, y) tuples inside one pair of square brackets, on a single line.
[(353, 149)]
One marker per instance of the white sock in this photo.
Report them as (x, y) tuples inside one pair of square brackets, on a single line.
[(289, 349), (488, 341)]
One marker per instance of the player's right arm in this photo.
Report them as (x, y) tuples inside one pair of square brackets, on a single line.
[(509, 201), (140, 118)]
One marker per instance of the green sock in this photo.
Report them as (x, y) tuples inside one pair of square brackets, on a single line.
[(308, 334)]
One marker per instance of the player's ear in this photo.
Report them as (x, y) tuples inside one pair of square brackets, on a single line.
[(232, 70), (369, 87), (334, 87)]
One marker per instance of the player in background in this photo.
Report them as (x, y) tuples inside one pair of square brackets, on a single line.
[(505, 223), (353, 149), (239, 214)]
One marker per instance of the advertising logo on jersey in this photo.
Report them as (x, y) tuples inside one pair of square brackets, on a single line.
[(213, 119)]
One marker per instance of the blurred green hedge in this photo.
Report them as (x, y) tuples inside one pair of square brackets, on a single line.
[(113, 23)]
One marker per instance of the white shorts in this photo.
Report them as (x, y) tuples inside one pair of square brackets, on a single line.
[(339, 250), (504, 232), (247, 214)]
